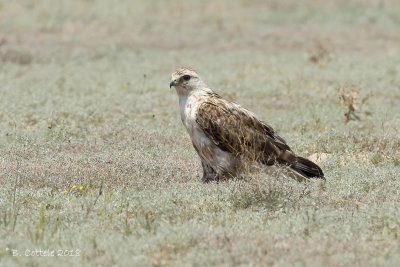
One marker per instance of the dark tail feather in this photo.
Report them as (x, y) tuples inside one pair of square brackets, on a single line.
[(307, 168)]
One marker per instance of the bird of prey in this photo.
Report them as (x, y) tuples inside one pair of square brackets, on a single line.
[(226, 136)]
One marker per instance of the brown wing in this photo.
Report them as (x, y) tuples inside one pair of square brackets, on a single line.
[(235, 130)]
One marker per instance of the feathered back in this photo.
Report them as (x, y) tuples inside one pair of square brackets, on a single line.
[(238, 131)]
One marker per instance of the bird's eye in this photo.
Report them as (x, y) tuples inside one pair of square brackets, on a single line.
[(186, 77)]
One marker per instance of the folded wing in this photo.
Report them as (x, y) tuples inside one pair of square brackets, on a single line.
[(238, 131)]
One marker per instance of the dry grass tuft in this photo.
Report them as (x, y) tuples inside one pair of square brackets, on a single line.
[(350, 99), (15, 56), (320, 53)]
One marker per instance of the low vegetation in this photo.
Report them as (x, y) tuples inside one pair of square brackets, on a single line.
[(96, 166)]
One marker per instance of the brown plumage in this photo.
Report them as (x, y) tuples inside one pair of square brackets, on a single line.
[(225, 135)]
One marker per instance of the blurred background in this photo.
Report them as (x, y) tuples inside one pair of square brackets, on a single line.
[(126, 50), (197, 26)]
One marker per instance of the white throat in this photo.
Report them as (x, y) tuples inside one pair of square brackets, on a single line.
[(183, 95)]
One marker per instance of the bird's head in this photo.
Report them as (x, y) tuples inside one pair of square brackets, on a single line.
[(185, 80)]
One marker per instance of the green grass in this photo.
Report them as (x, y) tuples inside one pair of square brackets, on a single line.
[(84, 100)]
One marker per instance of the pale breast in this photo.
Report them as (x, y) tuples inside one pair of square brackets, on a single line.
[(212, 154), (188, 108)]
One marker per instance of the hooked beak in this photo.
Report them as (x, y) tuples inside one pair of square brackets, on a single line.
[(173, 82)]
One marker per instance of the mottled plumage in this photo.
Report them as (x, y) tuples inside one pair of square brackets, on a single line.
[(227, 136)]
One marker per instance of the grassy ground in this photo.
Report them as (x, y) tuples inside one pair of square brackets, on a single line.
[(84, 101)]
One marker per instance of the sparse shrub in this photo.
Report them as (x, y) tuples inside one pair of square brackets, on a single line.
[(16, 56), (269, 198), (320, 53), (350, 99), (261, 192), (377, 158)]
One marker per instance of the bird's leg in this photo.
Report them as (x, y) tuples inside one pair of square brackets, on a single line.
[(209, 174)]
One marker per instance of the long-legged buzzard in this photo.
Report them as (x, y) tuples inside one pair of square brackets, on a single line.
[(227, 136)]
